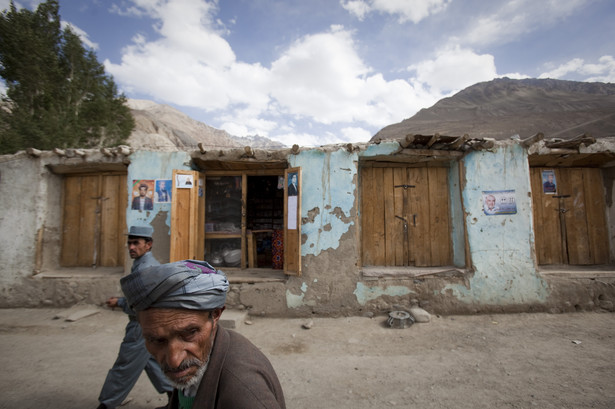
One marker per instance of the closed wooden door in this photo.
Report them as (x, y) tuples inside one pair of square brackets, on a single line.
[(94, 220), (569, 219), (405, 216)]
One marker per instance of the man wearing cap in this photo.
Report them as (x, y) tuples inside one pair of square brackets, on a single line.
[(133, 357), (178, 306)]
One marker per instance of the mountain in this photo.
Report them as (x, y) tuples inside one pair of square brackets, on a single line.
[(505, 107), (161, 127)]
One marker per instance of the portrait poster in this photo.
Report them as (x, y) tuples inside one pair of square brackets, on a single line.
[(163, 191), (142, 194), (293, 184), (292, 201), (497, 202), (549, 184), (184, 181)]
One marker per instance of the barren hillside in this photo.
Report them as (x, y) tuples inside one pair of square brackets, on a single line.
[(162, 127), (504, 107)]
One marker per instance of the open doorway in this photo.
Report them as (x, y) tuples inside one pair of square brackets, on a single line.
[(264, 221)]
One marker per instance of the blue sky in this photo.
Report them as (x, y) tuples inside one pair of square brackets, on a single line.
[(316, 72)]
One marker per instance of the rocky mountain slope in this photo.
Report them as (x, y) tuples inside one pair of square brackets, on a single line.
[(161, 127), (504, 107)]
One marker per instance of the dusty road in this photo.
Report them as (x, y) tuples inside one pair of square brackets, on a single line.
[(488, 361)]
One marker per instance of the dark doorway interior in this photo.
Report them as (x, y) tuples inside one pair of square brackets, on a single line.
[(264, 221)]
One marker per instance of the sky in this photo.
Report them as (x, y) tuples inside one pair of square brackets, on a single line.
[(319, 72)]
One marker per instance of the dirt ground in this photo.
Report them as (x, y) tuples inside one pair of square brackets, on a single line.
[(485, 361)]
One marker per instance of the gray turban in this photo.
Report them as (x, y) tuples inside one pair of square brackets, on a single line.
[(189, 284)]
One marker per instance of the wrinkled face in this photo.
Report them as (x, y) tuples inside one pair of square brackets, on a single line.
[(142, 191), (137, 246), (180, 340)]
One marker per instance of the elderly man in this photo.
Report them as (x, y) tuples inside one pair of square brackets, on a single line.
[(133, 357), (178, 306)]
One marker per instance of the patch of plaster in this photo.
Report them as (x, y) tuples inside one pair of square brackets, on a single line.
[(296, 301), (365, 293)]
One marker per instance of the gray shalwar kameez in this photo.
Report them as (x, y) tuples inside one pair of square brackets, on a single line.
[(133, 357)]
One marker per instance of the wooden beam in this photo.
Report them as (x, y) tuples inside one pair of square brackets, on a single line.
[(433, 140), (33, 152), (585, 139), (430, 152), (527, 142), (407, 141)]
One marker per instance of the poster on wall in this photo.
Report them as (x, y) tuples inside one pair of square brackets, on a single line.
[(184, 181), (293, 189), (142, 194), (549, 185), (499, 202), (163, 191)]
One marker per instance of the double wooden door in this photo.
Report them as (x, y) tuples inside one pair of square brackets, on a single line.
[(405, 216), (94, 220), (569, 218)]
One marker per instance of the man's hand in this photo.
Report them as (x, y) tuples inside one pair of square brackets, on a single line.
[(111, 302)]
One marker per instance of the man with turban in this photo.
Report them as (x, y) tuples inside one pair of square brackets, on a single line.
[(178, 306)]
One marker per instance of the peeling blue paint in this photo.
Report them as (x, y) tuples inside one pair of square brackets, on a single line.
[(327, 195), (501, 245), (365, 293), (153, 165), (294, 301)]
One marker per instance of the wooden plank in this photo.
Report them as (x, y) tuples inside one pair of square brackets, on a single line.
[(378, 227), (439, 217), (367, 215), (88, 249), (109, 223), (401, 251), (596, 216), (537, 213), (547, 232), (576, 221), (292, 236), (419, 217), (390, 221), (180, 220), (122, 201), (70, 221)]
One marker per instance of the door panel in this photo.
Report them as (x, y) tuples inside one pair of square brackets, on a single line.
[(405, 217), (94, 220), (570, 225)]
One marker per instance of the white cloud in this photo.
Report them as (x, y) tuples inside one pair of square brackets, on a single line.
[(355, 134), (602, 71), (319, 78), (414, 11), (516, 18), (83, 36), (453, 69)]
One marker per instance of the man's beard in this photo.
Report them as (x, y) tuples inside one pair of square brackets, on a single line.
[(192, 381)]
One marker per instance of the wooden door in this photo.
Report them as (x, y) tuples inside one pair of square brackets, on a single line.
[(292, 221), (94, 220), (570, 220), (405, 216), (187, 210)]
